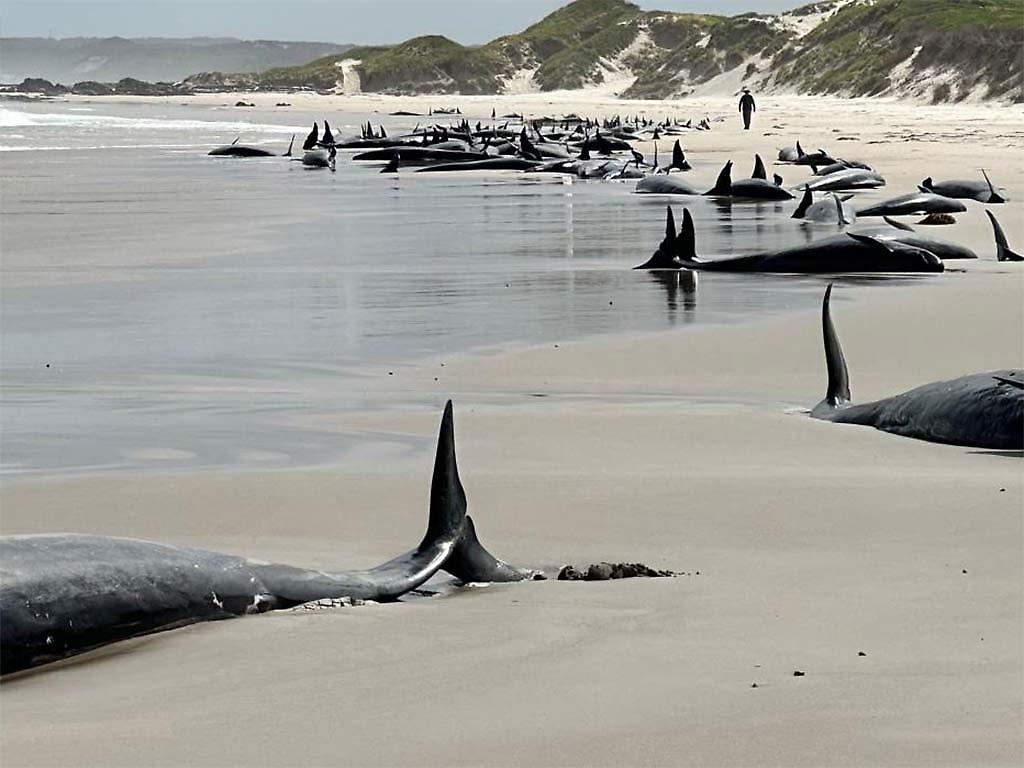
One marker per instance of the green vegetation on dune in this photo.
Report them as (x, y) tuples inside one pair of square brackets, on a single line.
[(860, 49)]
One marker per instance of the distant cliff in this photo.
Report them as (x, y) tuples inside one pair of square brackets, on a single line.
[(71, 60)]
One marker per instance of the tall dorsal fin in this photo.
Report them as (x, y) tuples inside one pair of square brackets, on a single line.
[(723, 185), (447, 497), (805, 202), (799, 150), (1003, 252), (670, 228), (759, 171), (310, 141), (838, 392), (678, 160), (291, 143), (585, 152), (686, 240), (777, 179)]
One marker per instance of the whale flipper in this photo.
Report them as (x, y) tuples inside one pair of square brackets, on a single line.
[(1003, 252), (897, 224), (805, 202), (471, 562), (291, 143), (837, 394)]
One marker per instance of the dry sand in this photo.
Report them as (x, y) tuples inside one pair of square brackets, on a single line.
[(686, 449)]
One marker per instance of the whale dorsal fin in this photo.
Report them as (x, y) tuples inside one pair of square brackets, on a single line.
[(670, 229), (677, 156), (1003, 252), (759, 170), (838, 392), (777, 180), (447, 497), (799, 150), (291, 144), (805, 202), (926, 185), (686, 241), (723, 185), (310, 141)]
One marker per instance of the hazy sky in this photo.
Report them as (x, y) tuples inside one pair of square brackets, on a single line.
[(337, 21)]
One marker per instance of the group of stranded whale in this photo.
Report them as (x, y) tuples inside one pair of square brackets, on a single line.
[(65, 594)]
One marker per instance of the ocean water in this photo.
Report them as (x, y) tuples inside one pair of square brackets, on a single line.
[(162, 309)]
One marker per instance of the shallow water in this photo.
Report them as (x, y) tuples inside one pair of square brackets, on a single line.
[(166, 309)]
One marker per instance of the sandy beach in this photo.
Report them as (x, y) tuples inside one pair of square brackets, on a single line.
[(887, 570)]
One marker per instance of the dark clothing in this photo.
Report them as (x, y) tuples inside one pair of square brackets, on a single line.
[(747, 107)]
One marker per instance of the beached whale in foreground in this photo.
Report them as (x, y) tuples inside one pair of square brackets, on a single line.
[(980, 410), (63, 594), (846, 253)]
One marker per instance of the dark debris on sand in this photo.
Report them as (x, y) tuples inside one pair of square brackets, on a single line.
[(608, 571)]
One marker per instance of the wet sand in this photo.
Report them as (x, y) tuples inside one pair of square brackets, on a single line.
[(685, 449)]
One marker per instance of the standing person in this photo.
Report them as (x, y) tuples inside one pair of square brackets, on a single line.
[(747, 107)]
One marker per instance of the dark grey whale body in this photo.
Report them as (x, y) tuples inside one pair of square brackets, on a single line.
[(63, 594), (982, 191), (980, 410), (846, 253), (234, 149), (751, 189), (914, 203)]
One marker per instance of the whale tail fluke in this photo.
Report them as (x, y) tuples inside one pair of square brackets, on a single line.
[(1003, 251), (723, 185), (838, 392), (994, 197), (805, 202)]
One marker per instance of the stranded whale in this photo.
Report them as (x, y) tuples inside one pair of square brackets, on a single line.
[(980, 410), (845, 253), (64, 594)]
